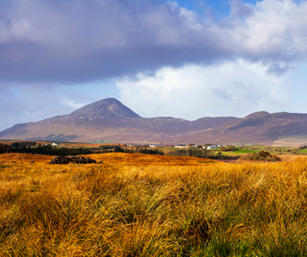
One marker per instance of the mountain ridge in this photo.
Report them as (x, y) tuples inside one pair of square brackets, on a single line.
[(110, 120)]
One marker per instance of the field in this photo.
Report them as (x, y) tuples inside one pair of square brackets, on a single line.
[(150, 205), (239, 152)]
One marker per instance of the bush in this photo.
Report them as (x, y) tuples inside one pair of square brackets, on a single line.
[(106, 147), (261, 156), (119, 149), (229, 148), (202, 153)]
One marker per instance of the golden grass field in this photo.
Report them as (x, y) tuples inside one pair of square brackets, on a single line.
[(148, 205)]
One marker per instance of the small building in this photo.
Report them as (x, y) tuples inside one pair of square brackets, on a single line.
[(152, 145), (211, 147), (181, 146), (55, 143), (192, 145)]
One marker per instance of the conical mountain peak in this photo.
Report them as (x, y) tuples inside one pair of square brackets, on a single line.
[(108, 108)]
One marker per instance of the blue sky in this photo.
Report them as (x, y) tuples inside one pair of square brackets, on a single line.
[(219, 9), (186, 59)]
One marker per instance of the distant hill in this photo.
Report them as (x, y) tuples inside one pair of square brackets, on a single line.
[(110, 120), (260, 128)]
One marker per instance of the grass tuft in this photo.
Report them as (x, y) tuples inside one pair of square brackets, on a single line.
[(155, 206)]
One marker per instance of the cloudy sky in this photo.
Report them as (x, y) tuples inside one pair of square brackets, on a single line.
[(186, 59)]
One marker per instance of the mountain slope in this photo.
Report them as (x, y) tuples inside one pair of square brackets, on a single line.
[(110, 120), (109, 108), (259, 128)]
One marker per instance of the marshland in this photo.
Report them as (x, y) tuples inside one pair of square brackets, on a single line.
[(152, 205)]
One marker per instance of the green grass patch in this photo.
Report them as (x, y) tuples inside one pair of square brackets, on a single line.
[(242, 151), (238, 152), (228, 153), (167, 148)]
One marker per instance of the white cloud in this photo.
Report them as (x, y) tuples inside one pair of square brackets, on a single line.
[(74, 42), (80, 41), (71, 103), (271, 35), (234, 88), (276, 28)]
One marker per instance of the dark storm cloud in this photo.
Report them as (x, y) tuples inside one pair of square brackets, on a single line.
[(79, 41)]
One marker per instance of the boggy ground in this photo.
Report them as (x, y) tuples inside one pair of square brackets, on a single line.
[(146, 205)]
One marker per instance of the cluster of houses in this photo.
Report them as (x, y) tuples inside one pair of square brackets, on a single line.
[(212, 147), (151, 145), (53, 144), (209, 147)]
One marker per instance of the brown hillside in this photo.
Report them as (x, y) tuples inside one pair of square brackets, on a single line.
[(112, 121)]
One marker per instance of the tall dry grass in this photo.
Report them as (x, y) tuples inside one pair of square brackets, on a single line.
[(114, 209)]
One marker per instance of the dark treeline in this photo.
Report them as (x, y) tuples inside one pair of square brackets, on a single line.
[(22, 144), (49, 150), (4, 148), (145, 150), (65, 151), (150, 151), (107, 148), (203, 153)]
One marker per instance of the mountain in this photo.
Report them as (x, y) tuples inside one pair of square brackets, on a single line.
[(261, 128), (106, 109), (110, 120)]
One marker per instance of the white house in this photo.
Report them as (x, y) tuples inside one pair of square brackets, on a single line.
[(152, 145), (55, 143), (212, 147)]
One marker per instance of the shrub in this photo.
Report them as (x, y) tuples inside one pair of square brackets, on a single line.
[(261, 156), (229, 148)]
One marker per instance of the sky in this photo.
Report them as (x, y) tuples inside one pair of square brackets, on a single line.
[(185, 59)]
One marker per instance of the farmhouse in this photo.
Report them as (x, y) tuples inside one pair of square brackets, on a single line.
[(192, 145), (181, 146), (130, 145), (55, 143), (212, 147)]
